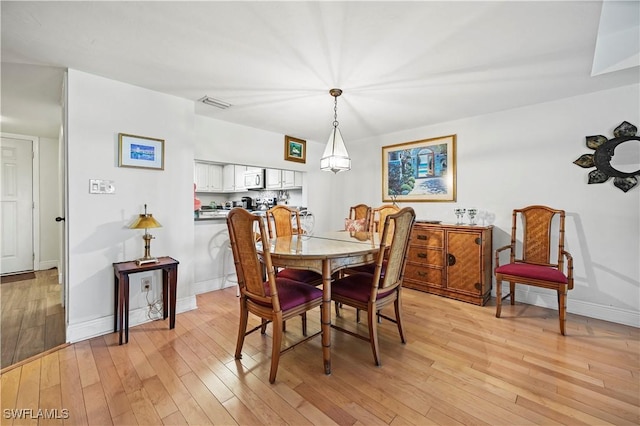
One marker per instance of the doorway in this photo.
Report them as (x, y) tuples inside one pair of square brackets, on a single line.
[(31, 287)]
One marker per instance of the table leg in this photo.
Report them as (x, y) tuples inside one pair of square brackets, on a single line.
[(116, 302), (173, 287), (326, 315), (125, 284), (166, 280)]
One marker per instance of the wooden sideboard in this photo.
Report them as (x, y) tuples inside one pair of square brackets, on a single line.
[(451, 260)]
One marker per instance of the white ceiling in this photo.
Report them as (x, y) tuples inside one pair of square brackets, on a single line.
[(401, 65)]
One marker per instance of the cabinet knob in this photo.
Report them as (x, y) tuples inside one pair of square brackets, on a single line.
[(451, 259), (478, 241), (422, 237), (422, 255), (421, 274)]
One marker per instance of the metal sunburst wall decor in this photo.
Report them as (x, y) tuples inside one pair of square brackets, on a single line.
[(601, 158)]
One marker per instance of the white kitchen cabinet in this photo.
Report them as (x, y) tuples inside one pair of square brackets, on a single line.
[(273, 179), (288, 179), (233, 178), (239, 172), (207, 177), (283, 179)]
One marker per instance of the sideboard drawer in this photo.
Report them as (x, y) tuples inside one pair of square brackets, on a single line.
[(427, 237), (432, 276), (425, 256)]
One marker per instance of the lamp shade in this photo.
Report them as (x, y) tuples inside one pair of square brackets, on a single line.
[(145, 221), (335, 157)]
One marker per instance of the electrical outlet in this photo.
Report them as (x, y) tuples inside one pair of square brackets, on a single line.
[(145, 284)]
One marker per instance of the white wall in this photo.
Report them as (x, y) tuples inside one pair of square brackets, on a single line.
[(99, 109), (524, 156)]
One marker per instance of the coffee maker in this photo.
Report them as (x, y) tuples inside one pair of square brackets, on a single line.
[(247, 203)]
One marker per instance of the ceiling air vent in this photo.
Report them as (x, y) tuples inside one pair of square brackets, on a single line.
[(214, 102)]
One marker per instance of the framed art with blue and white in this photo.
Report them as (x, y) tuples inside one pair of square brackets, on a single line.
[(423, 170), (140, 152)]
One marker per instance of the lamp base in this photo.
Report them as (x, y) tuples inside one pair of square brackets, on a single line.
[(146, 260)]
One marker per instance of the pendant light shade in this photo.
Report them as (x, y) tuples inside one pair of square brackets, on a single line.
[(335, 157)]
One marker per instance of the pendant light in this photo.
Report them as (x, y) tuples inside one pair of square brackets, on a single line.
[(335, 158)]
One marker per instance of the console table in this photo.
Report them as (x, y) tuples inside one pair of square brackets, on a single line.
[(122, 270)]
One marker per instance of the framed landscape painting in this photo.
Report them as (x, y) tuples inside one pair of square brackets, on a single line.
[(423, 170), (295, 149)]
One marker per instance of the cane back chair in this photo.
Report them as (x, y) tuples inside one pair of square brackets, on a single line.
[(359, 218), (280, 223), (376, 222), (371, 293), (275, 300), (531, 262)]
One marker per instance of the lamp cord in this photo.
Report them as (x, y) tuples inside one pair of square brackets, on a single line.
[(155, 308)]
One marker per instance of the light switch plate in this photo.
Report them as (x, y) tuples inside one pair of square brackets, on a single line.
[(100, 186)]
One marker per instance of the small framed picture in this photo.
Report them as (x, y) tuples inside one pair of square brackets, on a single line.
[(140, 152), (295, 149)]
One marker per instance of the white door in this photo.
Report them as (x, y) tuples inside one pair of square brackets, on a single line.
[(16, 205)]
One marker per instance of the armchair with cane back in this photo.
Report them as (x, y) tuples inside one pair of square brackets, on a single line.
[(372, 292), (280, 222), (531, 264), (376, 224), (359, 218), (377, 218), (274, 300)]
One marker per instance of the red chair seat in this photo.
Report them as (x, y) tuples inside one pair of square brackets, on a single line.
[(536, 272), (301, 275), (356, 287), (292, 293)]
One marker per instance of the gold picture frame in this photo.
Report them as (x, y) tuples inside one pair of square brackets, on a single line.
[(295, 149), (140, 152), (423, 170)]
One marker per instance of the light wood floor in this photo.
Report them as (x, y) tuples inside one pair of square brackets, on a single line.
[(461, 365), (31, 318)]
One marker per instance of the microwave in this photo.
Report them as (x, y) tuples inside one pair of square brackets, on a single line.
[(254, 179)]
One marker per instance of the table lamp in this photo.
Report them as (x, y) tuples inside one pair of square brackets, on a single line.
[(146, 221)]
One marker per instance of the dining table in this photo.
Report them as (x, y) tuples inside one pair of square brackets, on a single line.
[(326, 253)]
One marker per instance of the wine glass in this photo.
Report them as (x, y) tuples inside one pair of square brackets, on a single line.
[(459, 214), (307, 221), (472, 216)]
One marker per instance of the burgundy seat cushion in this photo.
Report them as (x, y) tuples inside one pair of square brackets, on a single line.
[(292, 293), (302, 275), (356, 287), (537, 272), (370, 268)]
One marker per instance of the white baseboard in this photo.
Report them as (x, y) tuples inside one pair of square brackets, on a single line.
[(43, 265), (549, 300), (213, 284), (104, 325)]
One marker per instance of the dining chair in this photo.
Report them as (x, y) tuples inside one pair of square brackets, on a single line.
[(274, 300), (530, 262), (359, 218), (377, 217), (280, 223), (372, 292)]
